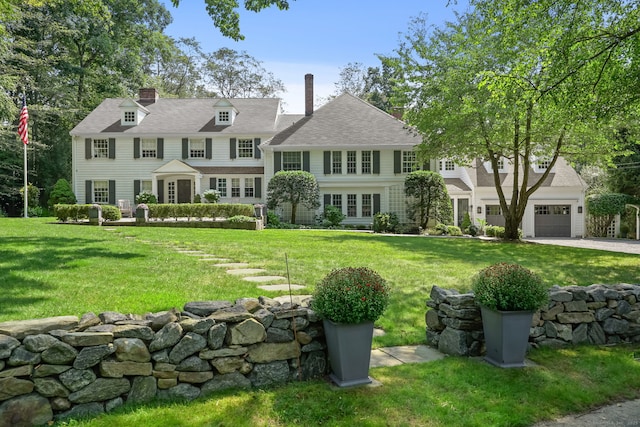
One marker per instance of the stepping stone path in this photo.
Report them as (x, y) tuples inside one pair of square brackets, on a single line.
[(245, 271), (242, 269)]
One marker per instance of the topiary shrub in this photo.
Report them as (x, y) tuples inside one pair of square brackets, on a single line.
[(472, 230), (61, 194), (466, 221), (509, 287)]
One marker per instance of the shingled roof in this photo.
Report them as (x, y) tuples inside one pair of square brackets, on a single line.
[(169, 116), (347, 122), (562, 175)]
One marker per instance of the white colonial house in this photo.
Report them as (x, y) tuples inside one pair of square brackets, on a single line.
[(360, 156)]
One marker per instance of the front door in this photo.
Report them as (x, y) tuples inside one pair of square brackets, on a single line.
[(184, 191)]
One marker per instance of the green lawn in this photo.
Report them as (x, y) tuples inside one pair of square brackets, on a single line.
[(50, 269), (54, 269)]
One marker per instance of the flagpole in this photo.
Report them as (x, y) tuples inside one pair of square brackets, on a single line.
[(26, 194)]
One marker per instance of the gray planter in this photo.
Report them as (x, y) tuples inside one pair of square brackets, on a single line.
[(349, 352), (506, 335)]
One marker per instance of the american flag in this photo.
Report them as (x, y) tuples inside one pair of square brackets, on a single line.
[(23, 130)]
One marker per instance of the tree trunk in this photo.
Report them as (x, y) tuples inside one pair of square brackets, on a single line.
[(294, 208), (511, 223)]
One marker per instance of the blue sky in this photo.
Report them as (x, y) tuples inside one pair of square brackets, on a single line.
[(313, 36)]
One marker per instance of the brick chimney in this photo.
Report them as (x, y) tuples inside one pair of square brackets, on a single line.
[(148, 95), (308, 94)]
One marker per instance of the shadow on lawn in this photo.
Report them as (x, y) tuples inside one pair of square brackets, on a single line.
[(556, 264), (26, 261)]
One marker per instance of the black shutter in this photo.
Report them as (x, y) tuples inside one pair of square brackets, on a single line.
[(376, 162), (327, 162), (376, 203), (327, 200), (160, 148), (136, 188), (277, 161), (161, 191), (426, 166), (257, 188), (112, 192), (112, 148), (256, 151), (232, 148), (136, 148), (213, 183), (185, 148), (305, 161), (88, 192), (87, 148), (208, 148), (397, 161)]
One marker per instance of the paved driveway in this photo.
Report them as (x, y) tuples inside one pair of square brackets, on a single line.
[(613, 245)]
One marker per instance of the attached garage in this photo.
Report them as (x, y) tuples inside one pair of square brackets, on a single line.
[(552, 220), (494, 215)]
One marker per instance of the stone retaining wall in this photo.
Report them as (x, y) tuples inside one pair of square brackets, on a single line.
[(65, 367), (596, 314)]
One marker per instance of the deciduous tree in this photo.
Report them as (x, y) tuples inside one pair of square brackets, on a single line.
[(294, 187), (429, 198), (517, 81)]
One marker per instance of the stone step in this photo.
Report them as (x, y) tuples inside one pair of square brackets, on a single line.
[(232, 265), (282, 287), (245, 271), (263, 279)]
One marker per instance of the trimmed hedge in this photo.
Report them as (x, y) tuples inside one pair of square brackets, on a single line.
[(65, 213), (199, 210)]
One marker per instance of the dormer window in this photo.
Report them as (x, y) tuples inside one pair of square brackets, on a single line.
[(501, 166), (225, 112), (543, 164), (447, 165), (132, 113), (129, 116), (223, 117)]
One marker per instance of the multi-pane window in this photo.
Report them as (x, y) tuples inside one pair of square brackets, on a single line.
[(336, 162), (245, 148), (223, 116), (130, 116), (447, 165), (291, 161), (248, 187), (493, 210), (100, 148), (146, 186), (500, 164), (149, 148), (408, 161), (222, 187), (352, 205), (171, 192), (101, 191), (366, 162), (235, 187), (336, 200), (351, 162), (366, 205), (543, 164), (196, 148)]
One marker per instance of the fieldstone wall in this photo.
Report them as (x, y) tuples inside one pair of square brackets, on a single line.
[(65, 367), (596, 314)]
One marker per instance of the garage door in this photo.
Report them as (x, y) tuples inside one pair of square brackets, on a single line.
[(494, 215), (553, 220)]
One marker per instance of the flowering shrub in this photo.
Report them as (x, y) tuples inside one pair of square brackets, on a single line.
[(351, 295), (211, 196), (146, 198), (509, 287)]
